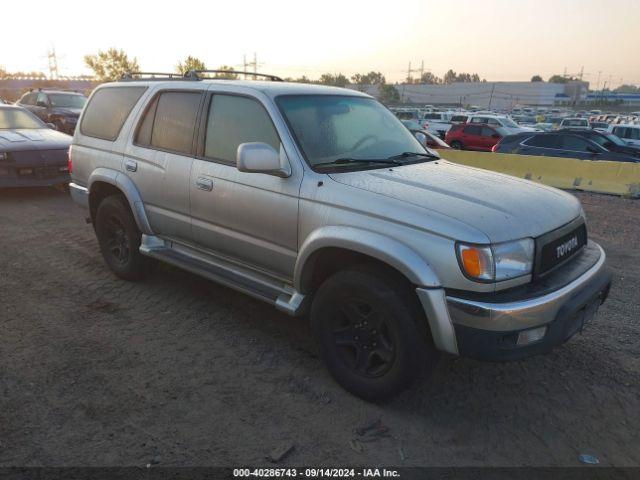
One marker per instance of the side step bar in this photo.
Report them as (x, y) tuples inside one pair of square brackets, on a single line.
[(282, 296)]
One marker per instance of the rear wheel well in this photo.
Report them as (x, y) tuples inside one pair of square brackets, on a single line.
[(99, 191)]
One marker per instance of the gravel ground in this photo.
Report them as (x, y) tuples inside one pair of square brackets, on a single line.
[(98, 371)]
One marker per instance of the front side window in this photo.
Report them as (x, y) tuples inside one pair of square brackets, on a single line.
[(42, 100), (234, 120), (574, 143), (331, 128)]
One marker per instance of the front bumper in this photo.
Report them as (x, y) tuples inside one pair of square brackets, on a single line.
[(488, 329)]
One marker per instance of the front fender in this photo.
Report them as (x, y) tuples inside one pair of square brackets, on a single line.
[(128, 188), (383, 248)]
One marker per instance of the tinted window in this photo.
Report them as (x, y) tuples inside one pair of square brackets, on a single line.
[(473, 130), (487, 132), (234, 120), (28, 99), (544, 141), (174, 121), (575, 143), (107, 111), (478, 120), (431, 116), (42, 99)]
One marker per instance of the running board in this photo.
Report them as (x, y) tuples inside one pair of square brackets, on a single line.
[(260, 286)]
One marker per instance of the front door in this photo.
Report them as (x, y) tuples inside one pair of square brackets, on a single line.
[(250, 218)]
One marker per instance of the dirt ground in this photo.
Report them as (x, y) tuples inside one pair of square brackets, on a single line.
[(179, 371)]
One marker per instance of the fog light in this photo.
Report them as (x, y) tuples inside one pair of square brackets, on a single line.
[(530, 336)]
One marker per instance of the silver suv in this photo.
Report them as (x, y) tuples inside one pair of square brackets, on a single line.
[(319, 201)]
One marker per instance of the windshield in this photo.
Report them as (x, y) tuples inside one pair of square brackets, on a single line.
[(14, 118), (67, 100), (615, 140), (334, 127), (507, 122)]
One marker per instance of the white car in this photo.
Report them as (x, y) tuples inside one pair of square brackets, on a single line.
[(499, 121), (437, 123), (574, 122), (627, 132)]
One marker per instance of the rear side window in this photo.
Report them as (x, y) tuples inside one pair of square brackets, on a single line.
[(107, 111), (473, 130), (234, 120), (478, 120), (169, 122), (487, 132), (543, 141)]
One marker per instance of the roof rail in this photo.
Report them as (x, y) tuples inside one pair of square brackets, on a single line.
[(133, 76), (193, 74)]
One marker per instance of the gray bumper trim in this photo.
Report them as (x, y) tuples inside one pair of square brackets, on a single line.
[(518, 315), (79, 194)]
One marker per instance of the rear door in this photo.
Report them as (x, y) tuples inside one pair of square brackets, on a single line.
[(471, 137), (250, 218), (488, 138), (160, 157)]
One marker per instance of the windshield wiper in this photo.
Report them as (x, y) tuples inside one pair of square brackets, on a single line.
[(413, 154), (347, 160)]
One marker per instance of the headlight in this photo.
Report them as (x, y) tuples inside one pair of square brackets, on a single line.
[(494, 263)]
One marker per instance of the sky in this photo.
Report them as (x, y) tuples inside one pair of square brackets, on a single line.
[(498, 39)]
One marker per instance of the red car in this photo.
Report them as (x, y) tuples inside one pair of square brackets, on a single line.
[(466, 136)]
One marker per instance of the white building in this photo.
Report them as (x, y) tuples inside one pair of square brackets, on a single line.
[(496, 95)]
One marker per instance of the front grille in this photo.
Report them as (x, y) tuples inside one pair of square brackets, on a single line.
[(560, 245)]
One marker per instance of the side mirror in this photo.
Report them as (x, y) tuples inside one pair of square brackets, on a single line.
[(421, 137), (52, 126), (258, 157)]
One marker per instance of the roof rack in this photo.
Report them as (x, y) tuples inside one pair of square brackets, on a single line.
[(194, 74), (133, 76)]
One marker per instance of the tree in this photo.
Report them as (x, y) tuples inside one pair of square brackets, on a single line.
[(561, 79), (388, 94), (430, 79), (190, 63), (337, 80), (449, 77), (227, 73), (111, 65), (537, 78), (627, 89)]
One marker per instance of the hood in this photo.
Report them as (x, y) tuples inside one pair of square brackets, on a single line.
[(502, 207), (32, 139), (68, 111)]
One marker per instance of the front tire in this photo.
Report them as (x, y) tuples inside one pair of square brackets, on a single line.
[(457, 145), (119, 239), (371, 333)]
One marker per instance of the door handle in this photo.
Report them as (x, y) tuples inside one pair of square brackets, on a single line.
[(205, 184), (131, 165)]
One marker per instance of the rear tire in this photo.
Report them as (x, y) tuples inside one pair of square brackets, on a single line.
[(371, 332), (457, 145), (119, 239)]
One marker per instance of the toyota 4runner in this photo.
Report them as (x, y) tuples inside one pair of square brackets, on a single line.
[(319, 201)]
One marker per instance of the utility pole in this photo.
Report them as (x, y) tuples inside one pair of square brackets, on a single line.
[(410, 72), (53, 63), (598, 85), (421, 69), (253, 64), (493, 87)]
